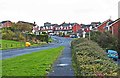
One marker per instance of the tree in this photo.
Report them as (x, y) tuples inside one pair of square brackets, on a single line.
[(8, 34), (23, 27)]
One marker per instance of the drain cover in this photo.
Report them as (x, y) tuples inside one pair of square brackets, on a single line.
[(62, 65)]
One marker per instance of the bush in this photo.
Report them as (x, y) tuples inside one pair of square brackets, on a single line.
[(106, 40), (21, 37), (42, 37), (7, 34), (91, 60)]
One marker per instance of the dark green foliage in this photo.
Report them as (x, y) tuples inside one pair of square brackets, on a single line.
[(22, 32), (42, 37), (106, 40), (90, 60), (44, 33), (7, 34)]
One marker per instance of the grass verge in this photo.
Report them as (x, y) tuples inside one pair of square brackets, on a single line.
[(34, 64), (10, 44)]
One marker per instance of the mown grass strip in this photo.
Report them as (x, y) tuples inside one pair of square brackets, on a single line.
[(10, 44), (34, 64)]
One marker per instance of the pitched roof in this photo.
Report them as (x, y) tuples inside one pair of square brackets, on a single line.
[(26, 23), (84, 26), (5, 21), (105, 22), (114, 21)]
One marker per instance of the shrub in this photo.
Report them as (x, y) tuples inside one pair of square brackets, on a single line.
[(106, 40), (21, 37), (91, 60), (7, 34)]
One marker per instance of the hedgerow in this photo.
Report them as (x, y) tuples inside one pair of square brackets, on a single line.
[(89, 59)]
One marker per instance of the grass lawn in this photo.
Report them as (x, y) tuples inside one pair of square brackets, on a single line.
[(9, 44), (34, 64)]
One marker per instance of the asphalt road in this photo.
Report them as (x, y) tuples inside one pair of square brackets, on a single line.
[(58, 41), (62, 67)]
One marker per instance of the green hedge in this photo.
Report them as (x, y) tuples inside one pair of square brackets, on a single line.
[(91, 60)]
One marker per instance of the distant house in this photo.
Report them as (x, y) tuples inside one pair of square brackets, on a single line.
[(48, 28), (23, 22), (36, 30), (76, 27), (5, 24), (115, 28), (95, 25), (102, 26), (1, 25), (64, 28)]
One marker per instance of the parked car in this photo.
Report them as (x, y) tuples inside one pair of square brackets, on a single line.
[(112, 54)]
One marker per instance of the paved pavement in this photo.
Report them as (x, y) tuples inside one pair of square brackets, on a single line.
[(63, 66)]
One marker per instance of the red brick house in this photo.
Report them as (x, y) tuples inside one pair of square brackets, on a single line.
[(115, 28), (6, 24), (76, 27), (102, 26)]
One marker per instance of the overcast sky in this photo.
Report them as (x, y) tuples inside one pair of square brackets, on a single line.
[(58, 11)]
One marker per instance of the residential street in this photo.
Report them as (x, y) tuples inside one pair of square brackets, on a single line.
[(62, 67), (58, 41)]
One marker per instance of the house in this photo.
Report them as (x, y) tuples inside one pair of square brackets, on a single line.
[(5, 24), (64, 28), (48, 28), (95, 25), (102, 26), (76, 27), (36, 30), (115, 28), (1, 25), (23, 22)]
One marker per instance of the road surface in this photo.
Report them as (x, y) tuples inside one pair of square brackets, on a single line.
[(58, 41), (62, 67)]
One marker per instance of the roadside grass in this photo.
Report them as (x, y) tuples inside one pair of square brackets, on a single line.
[(10, 44), (34, 64)]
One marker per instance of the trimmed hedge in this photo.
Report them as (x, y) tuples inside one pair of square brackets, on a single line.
[(91, 60)]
